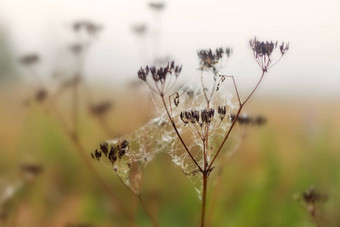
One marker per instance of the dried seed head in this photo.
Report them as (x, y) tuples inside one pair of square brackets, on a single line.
[(76, 48), (96, 155), (244, 119), (183, 118), (139, 29), (104, 147), (262, 48), (88, 26), (123, 147), (207, 115), (29, 59), (112, 156), (31, 170), (158, 6), (311, 196), (259, 120), (204, 116), (101, 108), (222, 110), (284, 48), (208, 58), (176, 99), (263, 51), (160, 75), (41, 95)]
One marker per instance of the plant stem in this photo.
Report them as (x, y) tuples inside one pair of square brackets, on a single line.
[(154, 222), (316, 220), (82, 152), (179, 136), (235, 119), (204, 197)]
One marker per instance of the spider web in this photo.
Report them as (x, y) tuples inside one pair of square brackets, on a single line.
[(158, 136)]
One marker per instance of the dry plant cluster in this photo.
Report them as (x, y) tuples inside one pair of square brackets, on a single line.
[(193, 127)]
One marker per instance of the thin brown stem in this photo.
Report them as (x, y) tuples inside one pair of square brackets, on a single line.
[(75, 106), (204, 89), (235, 119), (154, 222), (82, 152), (315, 219), (258, 83), (236, 90), (179, 136), (204, 197)]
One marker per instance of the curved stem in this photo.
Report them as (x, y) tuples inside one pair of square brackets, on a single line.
[(235, 119), (82, 152), (179, 136)]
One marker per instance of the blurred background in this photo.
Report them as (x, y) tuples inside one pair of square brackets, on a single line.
[(58, 55)]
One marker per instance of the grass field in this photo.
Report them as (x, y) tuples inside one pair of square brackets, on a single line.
[(297, 148)]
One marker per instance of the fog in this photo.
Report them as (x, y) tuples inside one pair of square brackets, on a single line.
[(311, 67)]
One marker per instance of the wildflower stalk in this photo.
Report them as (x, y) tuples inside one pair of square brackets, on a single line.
[(141, 201), (316, 220), (208, 60), (82, 152)]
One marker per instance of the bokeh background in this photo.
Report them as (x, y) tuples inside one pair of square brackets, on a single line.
[(44, 180)]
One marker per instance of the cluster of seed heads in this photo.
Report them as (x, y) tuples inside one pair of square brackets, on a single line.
[(222, 110), (31, 170), (209, 58), (262, 48), (113, 152), (161, 76), (263, 51), (204, 116), (311, 196), (158, 6), (100, 108), (139, 29), (244, 119), (87, 26), (29, 59)]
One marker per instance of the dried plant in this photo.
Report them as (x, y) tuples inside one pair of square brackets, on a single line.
[(86, 31), (209, 115), (312, 200)]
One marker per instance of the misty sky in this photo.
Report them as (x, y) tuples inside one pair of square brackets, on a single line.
[(312, 66)]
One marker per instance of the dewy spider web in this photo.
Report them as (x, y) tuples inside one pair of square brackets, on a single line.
[(158, 136)]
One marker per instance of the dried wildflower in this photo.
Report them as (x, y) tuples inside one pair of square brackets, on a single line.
[(284, 48), (84, 25), (202, 117), (311, 196), (76, 48), (96, 155), (311, 199), (259, 120), (244, 119), (31, 170), (41, 95), (101, 108), (160, 76), (29, 59), (139, 29), (158, 6), (222, 110), (111, 152), (263, 50), (208, 58)]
